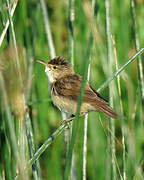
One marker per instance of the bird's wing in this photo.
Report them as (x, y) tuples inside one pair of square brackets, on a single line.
[(69, 87)]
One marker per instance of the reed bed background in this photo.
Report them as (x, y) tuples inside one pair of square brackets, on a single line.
[(104, 41)]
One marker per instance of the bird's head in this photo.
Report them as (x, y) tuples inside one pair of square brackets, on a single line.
[(57, 68)]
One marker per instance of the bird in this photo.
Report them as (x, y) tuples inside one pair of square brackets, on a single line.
[(65, 88)]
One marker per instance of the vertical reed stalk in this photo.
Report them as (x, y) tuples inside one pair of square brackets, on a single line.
[(121, 112), (140, 65), (71, 16), (111, 86), (85, 134), (48, 30), (75, 122), (86, 119)]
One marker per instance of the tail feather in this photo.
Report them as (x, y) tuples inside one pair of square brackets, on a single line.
[(108, 111)]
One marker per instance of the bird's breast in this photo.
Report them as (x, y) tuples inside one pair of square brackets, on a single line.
[(65, 104)]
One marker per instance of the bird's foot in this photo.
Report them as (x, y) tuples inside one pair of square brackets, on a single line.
[(67, 121)]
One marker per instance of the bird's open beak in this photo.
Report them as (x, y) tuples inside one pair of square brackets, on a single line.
[(41, 62)]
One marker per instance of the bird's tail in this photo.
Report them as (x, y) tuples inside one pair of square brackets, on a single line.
[(108, 111)]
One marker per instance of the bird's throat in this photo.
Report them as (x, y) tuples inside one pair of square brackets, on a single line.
[(49, 75)]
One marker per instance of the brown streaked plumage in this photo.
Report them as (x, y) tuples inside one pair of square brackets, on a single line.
[(65, 89)]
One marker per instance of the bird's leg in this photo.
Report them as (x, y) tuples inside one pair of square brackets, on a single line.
[(67, 121)]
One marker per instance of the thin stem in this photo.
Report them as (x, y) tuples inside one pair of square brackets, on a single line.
[(47, 143), (75, 122), (85, 146), (8, 22), (140, 65), (29, 79), (71, 37), (105, 84), (122, 112), (31, 144), (86, 121), (85, 134), (48, 30), (71, 16), (111, 86)]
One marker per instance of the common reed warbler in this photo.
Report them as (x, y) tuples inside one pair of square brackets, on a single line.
[(65, 88)]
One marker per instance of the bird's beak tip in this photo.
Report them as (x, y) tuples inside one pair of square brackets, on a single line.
[(41, 62)]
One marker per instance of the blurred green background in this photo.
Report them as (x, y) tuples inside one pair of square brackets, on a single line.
[(32, 44)]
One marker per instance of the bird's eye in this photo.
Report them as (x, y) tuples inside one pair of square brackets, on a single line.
[(54, 67)]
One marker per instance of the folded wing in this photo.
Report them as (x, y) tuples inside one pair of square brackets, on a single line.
[(69, 87)]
